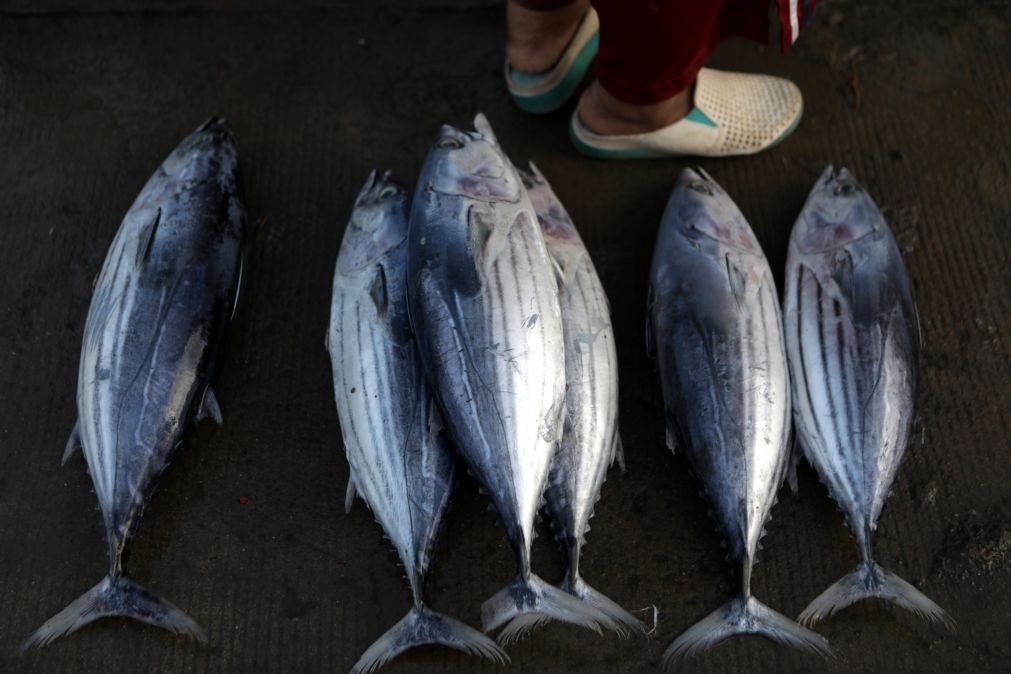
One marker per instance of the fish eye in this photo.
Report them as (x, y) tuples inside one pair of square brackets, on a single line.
[(387, 192), (449, 143), (701, 188), (845, 189)]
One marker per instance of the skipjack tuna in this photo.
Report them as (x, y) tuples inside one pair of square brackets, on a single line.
[(590, 440), (484, 305), (853, 338), (719, 347), (401, 464), (153, 336)]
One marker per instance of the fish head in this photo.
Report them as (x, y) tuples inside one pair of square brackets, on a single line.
[(553, 218), (706, 217), (209, 151), (212, 140), (378, 222), (838, 211), (471, 164)]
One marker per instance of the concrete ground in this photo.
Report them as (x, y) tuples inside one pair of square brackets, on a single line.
[(246, 531)]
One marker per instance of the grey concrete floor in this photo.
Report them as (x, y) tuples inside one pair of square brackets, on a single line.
[(246, 531)]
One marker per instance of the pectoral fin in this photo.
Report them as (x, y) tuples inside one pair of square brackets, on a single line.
[(209, 407), (618, 452), (147, 239), (349, 495), (73, 443), (378, 291)]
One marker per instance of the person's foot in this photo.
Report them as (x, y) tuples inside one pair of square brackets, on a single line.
[(722, 115), (535, 40), (606, 115)]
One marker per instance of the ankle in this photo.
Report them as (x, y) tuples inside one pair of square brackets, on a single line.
[(535, 40), (604, 114)]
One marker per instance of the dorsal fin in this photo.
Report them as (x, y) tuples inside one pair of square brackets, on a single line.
[(147, 235), (738, 280), (378, 291)]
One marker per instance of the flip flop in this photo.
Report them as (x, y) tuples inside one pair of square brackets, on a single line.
[(734, 114), (548, 90)]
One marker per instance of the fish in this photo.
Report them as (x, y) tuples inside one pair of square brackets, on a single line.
[(716, 332), (484, 305), (153, 339), (401, 464), (590, 439), (853, 339)]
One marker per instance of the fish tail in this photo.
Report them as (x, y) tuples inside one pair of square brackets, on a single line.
[(872, 580), (743, 616), (420, 626), (527, 602), (625, 623), (115, 596)]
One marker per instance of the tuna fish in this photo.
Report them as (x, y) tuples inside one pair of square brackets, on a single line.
[(484, 304), (590, 440), (152, 340), (853, 338), (719, 347), (401, 464)]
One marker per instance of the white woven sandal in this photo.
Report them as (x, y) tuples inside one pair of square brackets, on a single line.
[(734, 114)]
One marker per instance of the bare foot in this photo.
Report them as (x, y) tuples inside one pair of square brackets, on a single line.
[(535, 40), (606, 115)]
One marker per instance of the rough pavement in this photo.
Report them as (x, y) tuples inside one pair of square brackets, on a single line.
[(246, 531)]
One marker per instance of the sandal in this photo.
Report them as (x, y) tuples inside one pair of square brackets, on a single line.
[(734, 114), (546, 91)]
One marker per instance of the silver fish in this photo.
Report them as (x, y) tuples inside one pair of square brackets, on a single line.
[(484, 305), (853, 339), (590, 440), (719, 348), (167, 291), (400, 462)]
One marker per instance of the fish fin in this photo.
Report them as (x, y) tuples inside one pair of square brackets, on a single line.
[(618, 452), (842, 273), (350, 493), (115, 596), (378, 291), (625, 623), (73, 443), (792, 463), (871, 580), (672, 441), (560, 277), (483, 127), (743, 616), (420, 626), (435, 421), (239, 284), (530, 597), (209, 407), (738, 280), (147, 239)]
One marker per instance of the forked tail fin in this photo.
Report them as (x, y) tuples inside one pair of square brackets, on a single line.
[(525, 603), (425, 626), (871, 580), (740, 616), (117, 596), (625, 623)]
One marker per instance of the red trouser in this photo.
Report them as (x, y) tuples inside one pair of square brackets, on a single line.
[(651, 50)]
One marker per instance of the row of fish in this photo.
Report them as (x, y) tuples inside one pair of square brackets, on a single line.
[(842, 359), (468, 322)]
